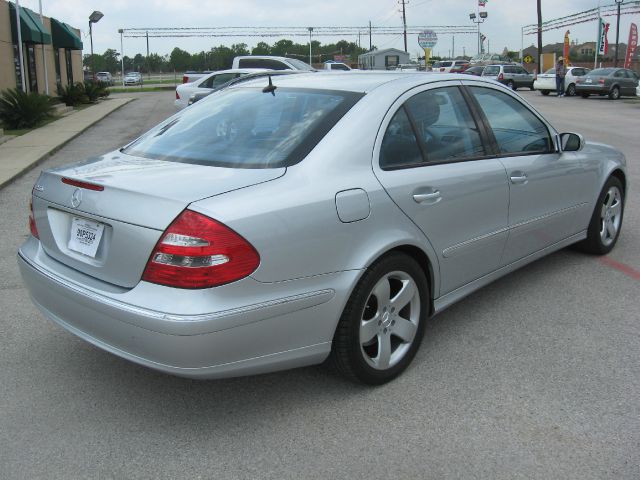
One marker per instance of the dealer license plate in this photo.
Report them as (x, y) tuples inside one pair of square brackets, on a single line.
[(85, 236)]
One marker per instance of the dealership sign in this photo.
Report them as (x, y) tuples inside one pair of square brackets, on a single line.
[(427, 39), (632, 45)]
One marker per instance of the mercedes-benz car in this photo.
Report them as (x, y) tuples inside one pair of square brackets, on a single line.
[(286, 221)]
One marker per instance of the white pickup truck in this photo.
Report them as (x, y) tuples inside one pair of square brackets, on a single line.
[(336, 66)]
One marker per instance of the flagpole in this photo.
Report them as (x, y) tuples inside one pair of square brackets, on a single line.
[(595, 60)]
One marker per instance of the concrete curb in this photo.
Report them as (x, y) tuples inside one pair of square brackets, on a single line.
[(21, 154)]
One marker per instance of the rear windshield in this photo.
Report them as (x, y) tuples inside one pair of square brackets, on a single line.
[(300, 65), (491, 70), (246, 128)]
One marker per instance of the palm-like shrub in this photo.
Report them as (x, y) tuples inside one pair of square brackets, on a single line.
[(73, 94), (23, 110), (94, 90)]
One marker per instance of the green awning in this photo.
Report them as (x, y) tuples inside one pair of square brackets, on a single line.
[(31, 28), (63, 36)]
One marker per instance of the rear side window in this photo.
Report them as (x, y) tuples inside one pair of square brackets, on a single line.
[(491, 70), (399, 145), (269, 63), (516, 129), (246, 128), (445, 125)]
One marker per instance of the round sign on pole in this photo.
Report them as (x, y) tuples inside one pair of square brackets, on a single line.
[(427, 39)]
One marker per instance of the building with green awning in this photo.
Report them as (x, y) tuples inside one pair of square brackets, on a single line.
[(63, 36), (49, 55), (31, 29)]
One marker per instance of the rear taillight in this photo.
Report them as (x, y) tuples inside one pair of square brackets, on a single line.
[(199, 252), (501, 77), (601, 81), (32, 221), (185, 79)]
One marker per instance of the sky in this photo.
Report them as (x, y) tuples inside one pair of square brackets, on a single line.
[(503, 26)]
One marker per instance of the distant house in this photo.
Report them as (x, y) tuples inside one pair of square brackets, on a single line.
[(387, 59)]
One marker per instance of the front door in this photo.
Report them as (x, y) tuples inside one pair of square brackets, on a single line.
[(545, 199), (432, 163)]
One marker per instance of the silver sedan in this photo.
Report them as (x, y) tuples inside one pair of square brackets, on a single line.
[(285, 221)]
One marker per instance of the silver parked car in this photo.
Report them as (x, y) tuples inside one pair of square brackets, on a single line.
[(613, 82), (512, 75), (283, 221)]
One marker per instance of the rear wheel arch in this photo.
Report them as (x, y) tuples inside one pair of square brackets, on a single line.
[(423, 260)]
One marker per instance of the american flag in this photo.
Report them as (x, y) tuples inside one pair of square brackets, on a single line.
[(482, 3)]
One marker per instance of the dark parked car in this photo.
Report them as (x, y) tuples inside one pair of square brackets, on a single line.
[(477, 71), (513, 76), (614, 82)]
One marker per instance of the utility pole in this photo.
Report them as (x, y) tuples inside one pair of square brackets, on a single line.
[(44, 57), (370, 44), (148, 64), (23, 80), (618, 3), (404, 22), (539, 36)]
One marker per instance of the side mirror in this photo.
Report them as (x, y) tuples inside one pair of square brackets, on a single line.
[(571, 142)]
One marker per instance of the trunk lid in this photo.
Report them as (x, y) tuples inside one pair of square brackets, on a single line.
[(123, 221)]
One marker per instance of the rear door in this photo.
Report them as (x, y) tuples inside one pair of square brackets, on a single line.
[(546, 187), (432, 162)]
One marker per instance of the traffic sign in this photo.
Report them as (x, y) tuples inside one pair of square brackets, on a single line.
[(528, 59)]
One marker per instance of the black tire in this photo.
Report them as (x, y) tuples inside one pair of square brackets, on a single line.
[(584, 95), (594, 243), (531, 87), (545, 92), (571, 90), (511, 85), (354, 359), (614, 94)]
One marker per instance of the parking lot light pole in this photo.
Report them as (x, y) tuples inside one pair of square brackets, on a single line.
[(618, 3), (93, 18), (478, 19), (310, 30), (121, 31)]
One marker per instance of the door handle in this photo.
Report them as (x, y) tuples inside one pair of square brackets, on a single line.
[(433, 197), (519, 178)]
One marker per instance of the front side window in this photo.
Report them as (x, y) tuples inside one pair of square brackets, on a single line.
[(247, 128), (516, 129)]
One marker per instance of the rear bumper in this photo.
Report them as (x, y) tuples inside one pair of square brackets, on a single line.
[(286, 331), (592, 89)]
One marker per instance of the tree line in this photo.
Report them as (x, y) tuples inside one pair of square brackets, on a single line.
[(220, 57)]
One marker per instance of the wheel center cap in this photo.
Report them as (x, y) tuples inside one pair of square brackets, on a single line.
[(386, 319)]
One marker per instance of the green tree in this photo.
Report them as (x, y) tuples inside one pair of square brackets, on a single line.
[(111, 63), (262, 48), (95, 61), (180, 59)]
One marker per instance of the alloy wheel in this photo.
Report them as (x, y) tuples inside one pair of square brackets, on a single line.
[(390, 320), (610, 216)]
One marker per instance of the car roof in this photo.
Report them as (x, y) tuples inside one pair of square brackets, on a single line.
[(354, 81)]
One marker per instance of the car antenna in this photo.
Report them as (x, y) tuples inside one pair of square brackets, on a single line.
[(271, 88)]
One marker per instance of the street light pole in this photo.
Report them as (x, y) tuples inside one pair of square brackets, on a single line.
[(618, 3), (93, 18), (121, 31)]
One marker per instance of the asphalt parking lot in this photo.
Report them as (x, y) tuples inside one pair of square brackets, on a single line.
[(535, 376)]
